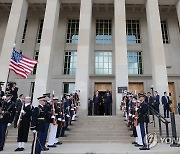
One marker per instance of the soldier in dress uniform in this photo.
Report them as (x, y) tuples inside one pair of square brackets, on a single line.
[(47, 119), (7, 114), (1, 91), (143, 119), (38, 125), (53, 125), (59, 123), (23, 122)]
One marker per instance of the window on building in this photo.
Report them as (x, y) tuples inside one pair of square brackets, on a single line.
[(40, 31), (68, 87), (70, 60), (135, 62), (133, 31), (36, 55), (165, 34), (32, 90), (103, 32), (24, 32), (72, 31), (103, 62)]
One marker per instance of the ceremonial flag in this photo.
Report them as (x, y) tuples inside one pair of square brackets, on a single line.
[(21, 65)]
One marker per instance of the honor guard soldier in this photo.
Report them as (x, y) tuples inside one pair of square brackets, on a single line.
[(143, 119), (53, 125), (59, 122), (47, 119), (7, 114), (23, 122), (1, 91), (38, 125)]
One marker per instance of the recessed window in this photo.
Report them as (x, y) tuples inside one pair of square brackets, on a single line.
[(36, 56), (24, 32), (103, 32), (68, 87), (133, 32), (32, 90), (135, 62), (165, 34), (40, 31), (70, 61), (72, 31), (103, 62)]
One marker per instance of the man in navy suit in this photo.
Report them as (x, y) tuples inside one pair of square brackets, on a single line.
[(166, 104), (157, 101)]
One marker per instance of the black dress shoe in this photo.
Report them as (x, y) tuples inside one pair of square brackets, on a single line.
[(68, 129), (21, 149), (134, 142), (18, 149), (138, 145), (44, 149), (58, 143), (63, 136), (51, 146), (144, 148), (1, 149)]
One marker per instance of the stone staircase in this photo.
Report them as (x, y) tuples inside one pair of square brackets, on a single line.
[(90, 129)]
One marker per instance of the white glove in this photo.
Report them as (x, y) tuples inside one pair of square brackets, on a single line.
[(59, 119), (34, 131), (53, 117), (23, 112), (67, 116), (9, 124), (136, 109), (130, 114)]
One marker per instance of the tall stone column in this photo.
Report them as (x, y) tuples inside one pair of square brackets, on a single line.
[(16, 20), (82, 71), (44, 67), (121, 63), (159, 72), (178, 10)]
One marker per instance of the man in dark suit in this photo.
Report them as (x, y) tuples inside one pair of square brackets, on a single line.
[(166, 105), (1, 91), (150, 101), (157, 102), (108, 102), (14, 92), (178, 106), (96, 101)]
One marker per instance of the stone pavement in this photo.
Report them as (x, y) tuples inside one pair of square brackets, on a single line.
[(98, 148)]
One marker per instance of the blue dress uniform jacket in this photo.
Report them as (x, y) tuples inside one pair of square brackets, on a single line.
[(7, 116), (38, 124)]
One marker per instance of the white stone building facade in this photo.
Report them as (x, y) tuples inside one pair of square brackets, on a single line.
[(91, 45)]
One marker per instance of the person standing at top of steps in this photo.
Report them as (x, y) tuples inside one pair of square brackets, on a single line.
[(108, 102), (23, 122), (166, 104), (178, 106), (96, 101)]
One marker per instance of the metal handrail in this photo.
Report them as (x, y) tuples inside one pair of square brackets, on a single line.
[(158, 115), (161, 119)]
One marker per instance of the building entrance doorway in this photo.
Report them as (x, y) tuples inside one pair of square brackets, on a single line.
[(172, 96), (103, 107)]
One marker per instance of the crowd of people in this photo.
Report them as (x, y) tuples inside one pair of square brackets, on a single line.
[(48, 121), (137, 112)]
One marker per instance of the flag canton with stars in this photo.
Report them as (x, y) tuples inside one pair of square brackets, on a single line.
[(16, 56)]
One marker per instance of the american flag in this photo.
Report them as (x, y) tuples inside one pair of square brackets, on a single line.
[(21, 65)]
